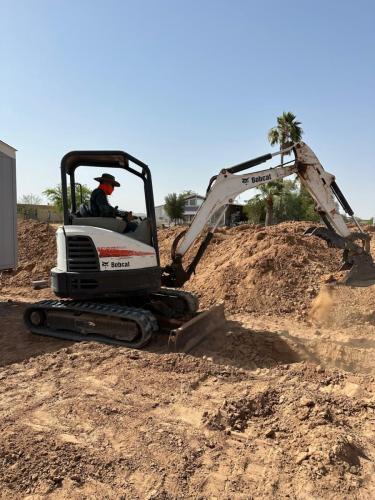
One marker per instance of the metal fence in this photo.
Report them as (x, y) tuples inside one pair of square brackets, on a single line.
[(42, 213)]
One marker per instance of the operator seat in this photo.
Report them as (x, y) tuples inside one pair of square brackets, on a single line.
[(84, 218), (143, 232), (110, 223)]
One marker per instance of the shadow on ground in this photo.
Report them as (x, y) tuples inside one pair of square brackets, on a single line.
[(238, 346), (16, 342), (232, 344)]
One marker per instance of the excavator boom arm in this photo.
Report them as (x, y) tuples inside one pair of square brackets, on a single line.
[(227, 185), (226, 188)]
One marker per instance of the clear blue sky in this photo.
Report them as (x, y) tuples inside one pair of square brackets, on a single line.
[(187, 86)]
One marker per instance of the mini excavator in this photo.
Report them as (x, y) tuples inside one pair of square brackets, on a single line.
[(111, 287)]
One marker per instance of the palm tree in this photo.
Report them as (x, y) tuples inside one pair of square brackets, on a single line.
[(268, 193), (287, 129)]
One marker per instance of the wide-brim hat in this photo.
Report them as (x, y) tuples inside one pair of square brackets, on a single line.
[(108, 178)]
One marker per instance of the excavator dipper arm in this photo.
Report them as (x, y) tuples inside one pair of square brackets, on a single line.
[(321, 185)]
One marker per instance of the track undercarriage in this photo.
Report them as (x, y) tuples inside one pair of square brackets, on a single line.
[(130, 324)]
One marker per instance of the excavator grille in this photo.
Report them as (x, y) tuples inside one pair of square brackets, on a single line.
[(81, 254)]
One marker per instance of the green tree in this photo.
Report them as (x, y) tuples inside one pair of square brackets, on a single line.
[(174, 206), (54, 195), (287, 206), (187, 192), (290, 201), (307, 205), (255, 210), (31, 199), (261, 207), (287, 129), (269, 192)]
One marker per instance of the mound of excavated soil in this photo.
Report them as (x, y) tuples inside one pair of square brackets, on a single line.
[(36, 255), (253, 269), (274, 270)]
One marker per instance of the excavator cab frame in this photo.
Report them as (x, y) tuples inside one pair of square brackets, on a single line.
[(107, 160)]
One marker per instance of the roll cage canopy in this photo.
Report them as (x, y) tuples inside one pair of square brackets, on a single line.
[(106, 159)]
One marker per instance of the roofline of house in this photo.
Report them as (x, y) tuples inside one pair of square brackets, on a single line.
[(187, 197)]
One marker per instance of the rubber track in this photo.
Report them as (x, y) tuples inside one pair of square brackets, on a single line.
[(191, 300), (145, 320)]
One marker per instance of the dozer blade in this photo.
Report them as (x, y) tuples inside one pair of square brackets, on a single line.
[(192, 333), (362, 272)]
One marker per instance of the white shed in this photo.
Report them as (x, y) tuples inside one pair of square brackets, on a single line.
[(8, 207)]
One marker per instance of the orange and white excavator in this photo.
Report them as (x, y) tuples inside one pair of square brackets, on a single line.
[(110, 284)]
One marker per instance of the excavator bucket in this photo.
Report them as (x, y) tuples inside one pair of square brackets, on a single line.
[(360, 267), (362, 272), (195, 331)]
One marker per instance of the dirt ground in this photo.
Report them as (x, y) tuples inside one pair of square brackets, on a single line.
[(277, 404)]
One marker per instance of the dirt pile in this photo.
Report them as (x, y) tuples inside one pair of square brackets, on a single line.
[(36, 255), (274, 270), (78, 423)]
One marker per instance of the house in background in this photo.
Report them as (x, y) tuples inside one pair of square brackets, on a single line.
[(161, 216), (192, 203), (232, 213)]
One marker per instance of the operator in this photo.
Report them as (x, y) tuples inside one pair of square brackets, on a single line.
[(100, 206)]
